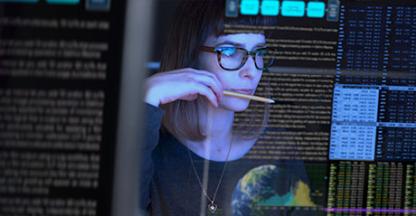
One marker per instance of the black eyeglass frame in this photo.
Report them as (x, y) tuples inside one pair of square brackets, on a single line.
[(243, 62)]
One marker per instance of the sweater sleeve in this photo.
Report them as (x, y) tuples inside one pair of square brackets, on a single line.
[(153, 118)]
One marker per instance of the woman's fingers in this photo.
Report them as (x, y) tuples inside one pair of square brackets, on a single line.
[(183, 84), (207, 92), (208, 79), (203, 77), (190, 97)]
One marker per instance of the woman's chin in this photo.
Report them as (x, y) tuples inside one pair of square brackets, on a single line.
[(235, 104)]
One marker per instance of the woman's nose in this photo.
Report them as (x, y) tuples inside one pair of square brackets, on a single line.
[(249, 69)]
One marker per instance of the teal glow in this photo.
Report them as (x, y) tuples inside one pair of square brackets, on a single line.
[(293, 8), (63, 2), (249, 7), (316, 9), (270, 8), (278, 200)]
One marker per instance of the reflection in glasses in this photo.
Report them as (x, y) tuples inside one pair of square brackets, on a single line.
[(233, 58)]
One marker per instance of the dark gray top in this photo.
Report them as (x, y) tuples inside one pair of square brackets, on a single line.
[(170, 186)]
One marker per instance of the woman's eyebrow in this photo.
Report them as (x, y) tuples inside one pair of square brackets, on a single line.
[(230, 43), (261, 45)]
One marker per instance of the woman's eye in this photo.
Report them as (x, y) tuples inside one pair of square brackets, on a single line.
[(261, 52), (227, 51)]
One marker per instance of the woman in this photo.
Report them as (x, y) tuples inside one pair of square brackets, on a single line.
[(194, 162)]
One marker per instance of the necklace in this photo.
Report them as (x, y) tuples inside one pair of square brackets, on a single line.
[(212, 206)]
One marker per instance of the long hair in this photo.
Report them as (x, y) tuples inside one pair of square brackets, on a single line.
[(194, 21)]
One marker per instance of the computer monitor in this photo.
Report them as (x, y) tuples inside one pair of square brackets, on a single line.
[(70, 86), (344, 82)]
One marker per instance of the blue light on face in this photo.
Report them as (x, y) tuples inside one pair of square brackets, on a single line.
[(270, 7), (316, 9), (293, 8), (249, 7)]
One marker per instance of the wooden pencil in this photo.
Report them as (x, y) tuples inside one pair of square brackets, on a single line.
[(249, 97)]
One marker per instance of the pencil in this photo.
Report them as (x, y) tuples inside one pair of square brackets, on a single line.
[(249, 97)]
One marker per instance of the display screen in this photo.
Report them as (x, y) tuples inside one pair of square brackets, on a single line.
[(340, 138), (60, 66), (345, 85)]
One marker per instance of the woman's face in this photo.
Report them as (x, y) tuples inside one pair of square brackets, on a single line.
[(243, 80)]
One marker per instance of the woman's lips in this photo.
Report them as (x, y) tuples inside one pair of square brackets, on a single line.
[(243, 91)]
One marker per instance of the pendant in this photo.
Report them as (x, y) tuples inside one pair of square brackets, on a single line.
[(212, 207)]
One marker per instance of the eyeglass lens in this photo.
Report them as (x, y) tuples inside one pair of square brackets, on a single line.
[(233, 58)]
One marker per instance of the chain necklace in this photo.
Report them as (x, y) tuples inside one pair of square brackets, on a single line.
[(212, 206)]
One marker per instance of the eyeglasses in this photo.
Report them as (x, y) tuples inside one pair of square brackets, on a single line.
[(233, 58)]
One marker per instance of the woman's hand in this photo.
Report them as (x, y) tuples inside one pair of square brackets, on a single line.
[(182, 84)]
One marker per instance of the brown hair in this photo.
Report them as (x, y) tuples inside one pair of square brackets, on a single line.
[(194, 21)]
